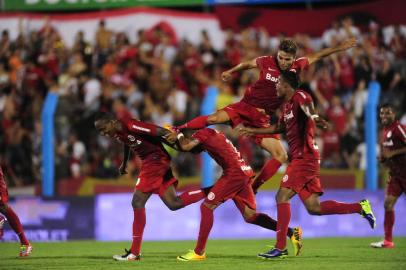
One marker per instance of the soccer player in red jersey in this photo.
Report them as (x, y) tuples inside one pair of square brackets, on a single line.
[(298, 121), (235, 183), (393, 155), (260, 100), (12, 218), (156, 175)]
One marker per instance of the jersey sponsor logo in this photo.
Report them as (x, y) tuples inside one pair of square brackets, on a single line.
[(141, 128), (285, 178), (388, 143), (246, 168), (271, 78), (288, 116), (211, 196)]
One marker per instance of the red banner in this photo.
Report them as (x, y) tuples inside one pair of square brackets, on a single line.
[(311, 21)]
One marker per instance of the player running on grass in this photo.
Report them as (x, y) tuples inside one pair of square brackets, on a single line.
[(260, 100), (235, 183), (393, 155), (298, 121), (155, 177), (12, 218)]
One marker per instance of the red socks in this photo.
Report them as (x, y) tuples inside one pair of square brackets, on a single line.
[(283, 225), (333, 207), (206, 223), (265, 221), (196, 123), (138, 230), (388, 224), (268, 170), (15, 224), (192, 196)]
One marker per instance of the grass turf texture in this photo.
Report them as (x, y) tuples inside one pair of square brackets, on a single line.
[(321, 253)]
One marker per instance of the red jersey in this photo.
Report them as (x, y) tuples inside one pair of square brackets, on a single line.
[(299, 128), (394, 138), (222, 151), (139, 136), (262, 94)]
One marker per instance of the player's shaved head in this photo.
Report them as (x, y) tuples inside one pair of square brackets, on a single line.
[(387, 114), (291, 78)]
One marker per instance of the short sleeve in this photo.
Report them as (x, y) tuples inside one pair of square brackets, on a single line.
[(263, 61), (400, 133), (139, 127), (200, 135), (301, 63), (303, 98)]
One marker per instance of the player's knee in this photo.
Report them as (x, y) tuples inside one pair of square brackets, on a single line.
[(388, 205), (212, 119), (175, 205), (313, 210), (137, 202)]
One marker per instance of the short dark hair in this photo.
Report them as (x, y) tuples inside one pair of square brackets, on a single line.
[(288, 46), (387, 106), (104, 116), (291, 78)]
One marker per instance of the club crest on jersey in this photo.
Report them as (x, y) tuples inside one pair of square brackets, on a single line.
[(131, 138), (211, 196), (285, 178), (271, 78), (288, 116)]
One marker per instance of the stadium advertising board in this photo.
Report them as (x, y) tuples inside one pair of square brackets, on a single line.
[(59, 219), (48, 5)]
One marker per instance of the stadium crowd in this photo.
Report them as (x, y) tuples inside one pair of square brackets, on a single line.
[(161, 79)]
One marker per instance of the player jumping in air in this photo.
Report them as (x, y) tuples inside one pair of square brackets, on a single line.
[(155, 177), (393, 155), (260, 100), (12, 218), (298, 121), (235, 183)]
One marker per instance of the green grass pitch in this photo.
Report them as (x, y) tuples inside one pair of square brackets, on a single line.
[(321, 253)]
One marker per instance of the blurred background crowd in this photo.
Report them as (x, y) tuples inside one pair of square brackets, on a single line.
[(161, 79)]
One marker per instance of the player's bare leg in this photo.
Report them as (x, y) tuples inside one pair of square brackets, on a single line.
[(219, 117), (389, 221), (206, 223), (283, 206), (138, 203), (175, 202), (14, 221), (279, 156)]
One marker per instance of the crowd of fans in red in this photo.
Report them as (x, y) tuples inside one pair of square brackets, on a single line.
[(161, 79)]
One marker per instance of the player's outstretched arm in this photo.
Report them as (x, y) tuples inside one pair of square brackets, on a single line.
[(226, 75), (390, 154), (123, 167), (187, 144), (309, 110), (314, 57), (250, 131)]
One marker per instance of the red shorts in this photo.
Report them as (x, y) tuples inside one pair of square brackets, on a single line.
[(243, 113), (238, 189), (396, 186), (155, 178), (303, 177)]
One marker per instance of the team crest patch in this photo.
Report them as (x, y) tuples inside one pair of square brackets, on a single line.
[(131, 138), (211, 196), (285, 178)]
